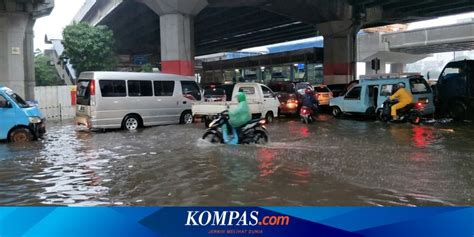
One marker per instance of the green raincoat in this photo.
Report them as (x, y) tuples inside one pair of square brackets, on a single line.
[(240, 115)]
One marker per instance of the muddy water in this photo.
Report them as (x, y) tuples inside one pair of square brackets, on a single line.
[(331, 162)]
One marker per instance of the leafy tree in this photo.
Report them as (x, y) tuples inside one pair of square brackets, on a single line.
[(45, 73), (89, 48)]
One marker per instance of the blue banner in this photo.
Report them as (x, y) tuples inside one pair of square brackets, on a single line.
[(236, 221)]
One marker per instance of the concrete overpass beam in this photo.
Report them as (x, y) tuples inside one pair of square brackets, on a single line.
[(339, 51), (13, 54), (177, 33), (397, 68)]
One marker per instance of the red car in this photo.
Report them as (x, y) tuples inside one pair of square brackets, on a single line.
[(287, 94)]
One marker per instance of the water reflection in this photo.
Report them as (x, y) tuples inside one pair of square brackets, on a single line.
[(329, 162)]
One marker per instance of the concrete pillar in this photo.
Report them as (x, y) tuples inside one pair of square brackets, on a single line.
[(29, 60), (12, 50), (177, 33), (397, 68), (177, 44), (340, 62)]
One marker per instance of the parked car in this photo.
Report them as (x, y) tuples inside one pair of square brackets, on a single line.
[(368, 95), (20, 121), (455, 90), (262, 102), (323, 94), (289, 97), (214, 93), (131, 100)]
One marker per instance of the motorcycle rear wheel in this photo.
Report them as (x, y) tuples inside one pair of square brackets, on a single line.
[(414, 118), (259, 138), (212, 137)]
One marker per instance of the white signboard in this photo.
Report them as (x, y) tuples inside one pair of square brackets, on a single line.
[(15, 50)]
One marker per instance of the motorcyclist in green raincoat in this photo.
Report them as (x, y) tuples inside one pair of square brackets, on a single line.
[(238, 116)]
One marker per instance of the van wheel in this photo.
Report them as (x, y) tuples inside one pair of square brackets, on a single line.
[(370, 112), (336, 111), (186, 118), (458, 110), (20, 135), (131, 123), (269, 117)]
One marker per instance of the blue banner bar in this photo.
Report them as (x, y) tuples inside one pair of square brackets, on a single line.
[(236, 221)]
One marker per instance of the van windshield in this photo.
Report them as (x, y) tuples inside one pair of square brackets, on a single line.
[(282, 87), (17, 99), (83, 92)]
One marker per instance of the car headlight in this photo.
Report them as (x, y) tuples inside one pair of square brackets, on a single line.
[(34, 119)]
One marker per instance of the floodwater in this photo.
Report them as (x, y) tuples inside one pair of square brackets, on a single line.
[(336, 162)]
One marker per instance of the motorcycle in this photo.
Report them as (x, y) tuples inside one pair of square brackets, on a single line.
[(411, 113), (306, 114), (254, 132)]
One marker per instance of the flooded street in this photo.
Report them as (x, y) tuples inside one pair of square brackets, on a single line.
[(337, 162)]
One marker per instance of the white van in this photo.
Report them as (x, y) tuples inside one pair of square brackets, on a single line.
[(131, 100)]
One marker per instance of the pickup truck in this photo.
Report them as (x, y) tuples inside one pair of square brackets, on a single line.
[(262, 101)]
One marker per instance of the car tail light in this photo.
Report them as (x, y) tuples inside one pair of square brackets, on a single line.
[(318, 95), (92, 87), (424, 101), (292, 101), (92, 92), (262, 122)]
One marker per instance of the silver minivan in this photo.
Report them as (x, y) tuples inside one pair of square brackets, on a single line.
[(131, 100)]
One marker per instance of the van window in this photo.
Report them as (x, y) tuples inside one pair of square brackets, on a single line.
[(190, 88), (83, 92), (386, 90), (354, 93), (267, 93), (164, 88), (140, 88), (247, 90), (419, 86), (112, 88), (3, 101), (17, 99)]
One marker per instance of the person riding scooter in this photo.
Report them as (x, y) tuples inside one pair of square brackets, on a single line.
[(404, 98), (309, 100), (238, 116)]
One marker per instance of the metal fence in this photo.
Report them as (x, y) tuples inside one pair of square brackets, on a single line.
[(55, 102)]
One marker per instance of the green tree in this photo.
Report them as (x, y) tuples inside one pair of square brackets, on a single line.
[(45, 73), (89, 48)]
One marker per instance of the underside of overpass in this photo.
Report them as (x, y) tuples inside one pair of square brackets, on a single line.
[(226, 25), (178, 30)]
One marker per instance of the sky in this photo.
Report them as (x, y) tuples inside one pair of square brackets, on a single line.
[(53, 25), (65, 10)]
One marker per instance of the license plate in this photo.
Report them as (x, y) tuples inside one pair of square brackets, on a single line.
[(80, 108), (325, 95)]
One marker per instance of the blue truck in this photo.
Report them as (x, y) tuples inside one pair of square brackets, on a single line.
[(19, 121)]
